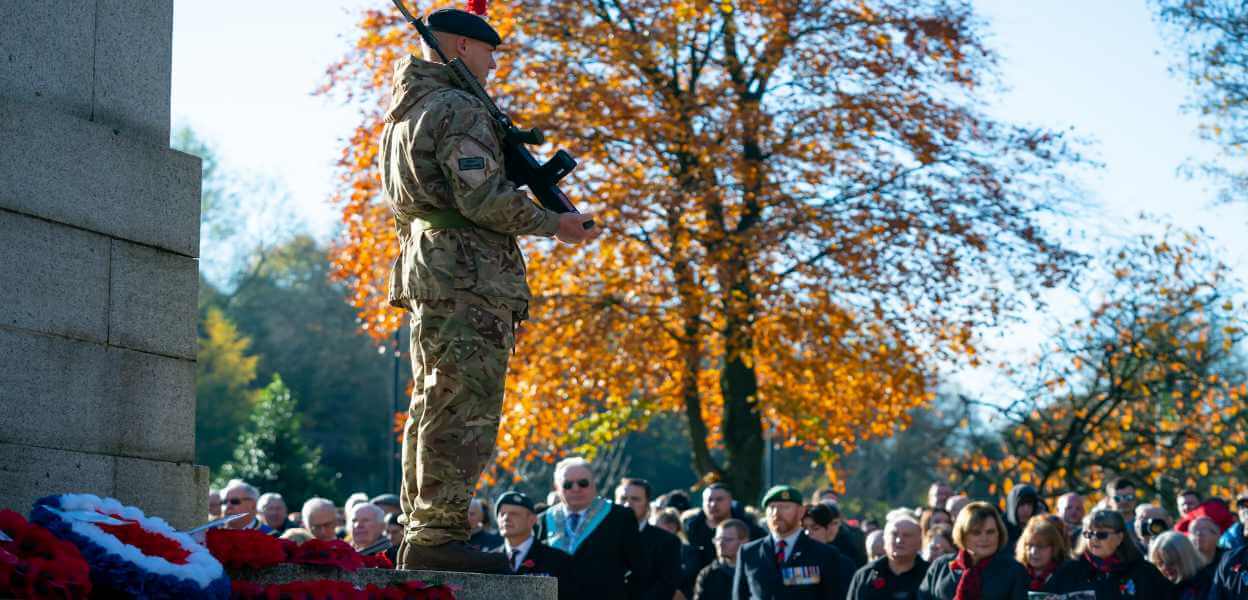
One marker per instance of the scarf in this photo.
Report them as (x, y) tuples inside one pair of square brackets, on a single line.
[(971, 585), (1039, 577), (1104, 566)]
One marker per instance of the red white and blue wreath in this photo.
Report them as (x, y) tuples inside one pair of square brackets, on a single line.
[(130, 553)]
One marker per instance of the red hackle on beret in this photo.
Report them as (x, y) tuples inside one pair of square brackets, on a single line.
[(477, 7)]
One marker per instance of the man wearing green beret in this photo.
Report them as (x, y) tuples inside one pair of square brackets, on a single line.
[(788, 564), (460, 272)]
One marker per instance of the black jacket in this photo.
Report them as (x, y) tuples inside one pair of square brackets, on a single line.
[(601, 561), (1197, 586), (701, 535), (1136, 580), (1018, 495), (852, 543), (663, 572), (690, 562), (876, 581), (1230, 580), (484, 540), (542, 560), (714, 582), (814, 571), (1004, 579)]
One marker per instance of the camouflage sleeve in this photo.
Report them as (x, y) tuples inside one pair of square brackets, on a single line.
[(471, 156)]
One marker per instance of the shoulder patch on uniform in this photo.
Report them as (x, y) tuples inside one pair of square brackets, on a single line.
[(472, 163)]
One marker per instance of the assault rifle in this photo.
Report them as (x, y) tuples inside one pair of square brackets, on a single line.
[(521, 167)]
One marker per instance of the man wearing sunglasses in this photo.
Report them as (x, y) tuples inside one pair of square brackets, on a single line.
[(1121, 497), (602, 538), (1233, 538), (239, 497)]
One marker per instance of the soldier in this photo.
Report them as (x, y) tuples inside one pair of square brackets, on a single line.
[(461, 274), (788, 564)]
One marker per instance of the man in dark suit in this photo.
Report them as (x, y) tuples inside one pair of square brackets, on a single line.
[(662, 548), (525, 554), (788, 565), (602, 538), (717, 507)]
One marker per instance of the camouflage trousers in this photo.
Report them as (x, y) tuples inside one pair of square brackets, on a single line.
[(459, 363)]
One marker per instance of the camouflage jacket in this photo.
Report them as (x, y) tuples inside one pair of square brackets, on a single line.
[(441, 150)]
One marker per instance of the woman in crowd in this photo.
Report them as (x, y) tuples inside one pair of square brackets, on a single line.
[(1108, 563), (982, 569), (929, 517), (1041, 549), (937, 542), (1177, 559)]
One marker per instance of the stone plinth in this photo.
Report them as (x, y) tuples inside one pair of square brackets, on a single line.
[(468, 586), (99, 234)]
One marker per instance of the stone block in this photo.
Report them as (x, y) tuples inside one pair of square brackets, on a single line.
[(153, 404), (91, 176), (55, 278), (47, 54), (30, 473), (153, 300), (469, 586), (133, 58), (175, 492), (73, 395)]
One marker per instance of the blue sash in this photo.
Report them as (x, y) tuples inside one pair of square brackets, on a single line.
[(557, 525)]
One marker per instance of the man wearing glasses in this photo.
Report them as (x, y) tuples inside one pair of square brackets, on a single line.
[(1121, 496), (239, 497), (602, 538), (320, 518)]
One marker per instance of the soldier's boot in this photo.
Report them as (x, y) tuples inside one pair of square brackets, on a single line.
[(451, 556)]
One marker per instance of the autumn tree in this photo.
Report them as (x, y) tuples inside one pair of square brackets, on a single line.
[(1148, 385), (225, 369), (806, 206), (1212, 36)]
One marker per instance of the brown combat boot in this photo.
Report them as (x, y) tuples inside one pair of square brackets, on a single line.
[(451, 556)]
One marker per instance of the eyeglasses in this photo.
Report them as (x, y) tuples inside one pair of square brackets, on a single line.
[(1099, 535), (235, 501), (584, 483), (1124, 498)]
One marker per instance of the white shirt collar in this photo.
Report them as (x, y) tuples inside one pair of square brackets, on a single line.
[(521, 551), (788, 542)]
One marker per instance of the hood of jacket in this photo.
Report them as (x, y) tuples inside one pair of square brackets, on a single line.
[(1018, 495), (414, 79)]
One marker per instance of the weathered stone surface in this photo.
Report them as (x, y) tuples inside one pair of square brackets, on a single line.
[(175, 492), (30, 473), (153, 304), (469, 586), (133, 57), (55, 278), (87, 175), (47, 55), (81, 396)]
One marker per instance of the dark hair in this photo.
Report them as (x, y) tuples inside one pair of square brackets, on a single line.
[(821, 514), (641, 483), (1191, 492), (1113, 520), (1121, 482), (718, 485), (676, 499), (925, 516)]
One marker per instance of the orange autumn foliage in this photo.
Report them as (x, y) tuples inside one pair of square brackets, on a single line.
[(805, 208)]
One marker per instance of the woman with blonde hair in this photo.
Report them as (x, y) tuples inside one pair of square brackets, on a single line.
[(982, 569), (1041, 549), (1178, 560)]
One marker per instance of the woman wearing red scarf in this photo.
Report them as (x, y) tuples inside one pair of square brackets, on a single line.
[(1108, 563), (1042, 547), (983, 568)]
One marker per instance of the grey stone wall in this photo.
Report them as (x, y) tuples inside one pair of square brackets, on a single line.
[(468, 586), (99, 234)]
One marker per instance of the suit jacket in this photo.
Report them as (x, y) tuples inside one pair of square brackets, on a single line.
[(1004, 579), (542, 560), (602, 559), (813, 571), (663, 566)]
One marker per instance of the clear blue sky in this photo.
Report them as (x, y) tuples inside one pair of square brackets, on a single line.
[(243, 73)]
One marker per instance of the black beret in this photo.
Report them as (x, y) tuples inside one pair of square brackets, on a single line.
[(459, 22), (515, 498)]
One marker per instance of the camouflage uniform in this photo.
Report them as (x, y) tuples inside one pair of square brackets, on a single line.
[(462, 275)]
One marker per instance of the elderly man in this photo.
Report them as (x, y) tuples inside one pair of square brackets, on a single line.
[(717, 507), (788, 563), (1150, 522), (273, 512), (1070, 509), (388, 503), (239, 497), (214, 505), (320, 518), (954, 505), (875, 545), (662, 547), (525, 554), (603, 539), (367, 523), (478, 523), (715, 580), (898, 574)]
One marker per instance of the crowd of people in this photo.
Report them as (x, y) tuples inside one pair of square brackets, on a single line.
[(634, 544)]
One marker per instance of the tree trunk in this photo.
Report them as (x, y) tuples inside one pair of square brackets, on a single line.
[(743, 427)]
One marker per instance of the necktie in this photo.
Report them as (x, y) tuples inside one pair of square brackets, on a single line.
[(780, 552), (511, 557), (574, 520)]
